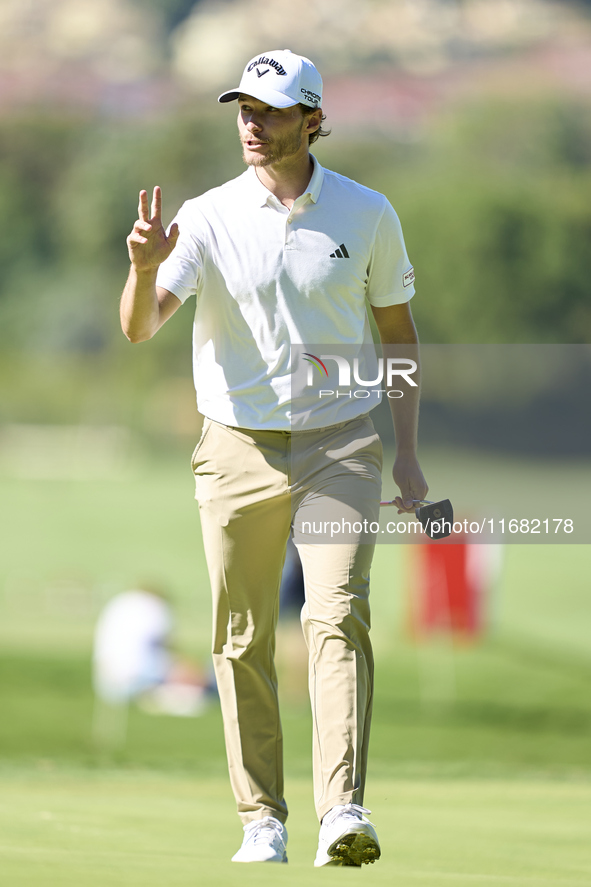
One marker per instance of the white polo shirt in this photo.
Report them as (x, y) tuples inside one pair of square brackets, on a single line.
[(267, 277)]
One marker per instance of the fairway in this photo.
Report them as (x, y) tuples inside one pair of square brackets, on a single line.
[(144, 828), (480, 762)]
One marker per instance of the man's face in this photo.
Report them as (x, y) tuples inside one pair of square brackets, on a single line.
[(269, 135)]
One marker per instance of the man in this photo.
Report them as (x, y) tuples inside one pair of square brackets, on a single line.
[(285, 254)]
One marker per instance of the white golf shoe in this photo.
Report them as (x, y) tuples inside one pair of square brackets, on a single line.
[(264, 841), (347, 837)]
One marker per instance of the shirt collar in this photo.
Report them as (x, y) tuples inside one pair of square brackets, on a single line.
[(315, 186), (262, 195)]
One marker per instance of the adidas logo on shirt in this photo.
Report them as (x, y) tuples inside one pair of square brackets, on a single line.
[(340, 253)]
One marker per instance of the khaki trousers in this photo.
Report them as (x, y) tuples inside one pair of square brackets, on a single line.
[(252, 488)]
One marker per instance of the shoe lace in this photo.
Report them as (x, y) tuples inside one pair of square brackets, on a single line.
[(349, 811), (264, 830)]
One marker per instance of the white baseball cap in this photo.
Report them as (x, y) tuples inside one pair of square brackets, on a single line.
[(281, 78)]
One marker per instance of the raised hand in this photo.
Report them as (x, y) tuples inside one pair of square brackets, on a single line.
[(148, 245)]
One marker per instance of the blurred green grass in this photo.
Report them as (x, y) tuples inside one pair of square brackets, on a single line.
[(505, 716), (516, 702), (480, 766), (151, 828)]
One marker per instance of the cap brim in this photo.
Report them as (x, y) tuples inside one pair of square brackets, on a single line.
[(276, 99), (229, 96)]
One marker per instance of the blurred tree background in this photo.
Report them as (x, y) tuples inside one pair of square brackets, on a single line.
[(480, 137)]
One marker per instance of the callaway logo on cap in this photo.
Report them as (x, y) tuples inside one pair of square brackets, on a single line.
[(281, 78)]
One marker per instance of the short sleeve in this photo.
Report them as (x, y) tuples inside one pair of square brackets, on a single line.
[(180, 273), (390, 274)]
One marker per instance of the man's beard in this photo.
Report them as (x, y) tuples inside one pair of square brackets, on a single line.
[(280, 148)]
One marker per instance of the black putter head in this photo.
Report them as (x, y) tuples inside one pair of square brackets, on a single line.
[(436, 518)]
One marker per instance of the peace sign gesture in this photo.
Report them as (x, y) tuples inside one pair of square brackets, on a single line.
[(148, 245)]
